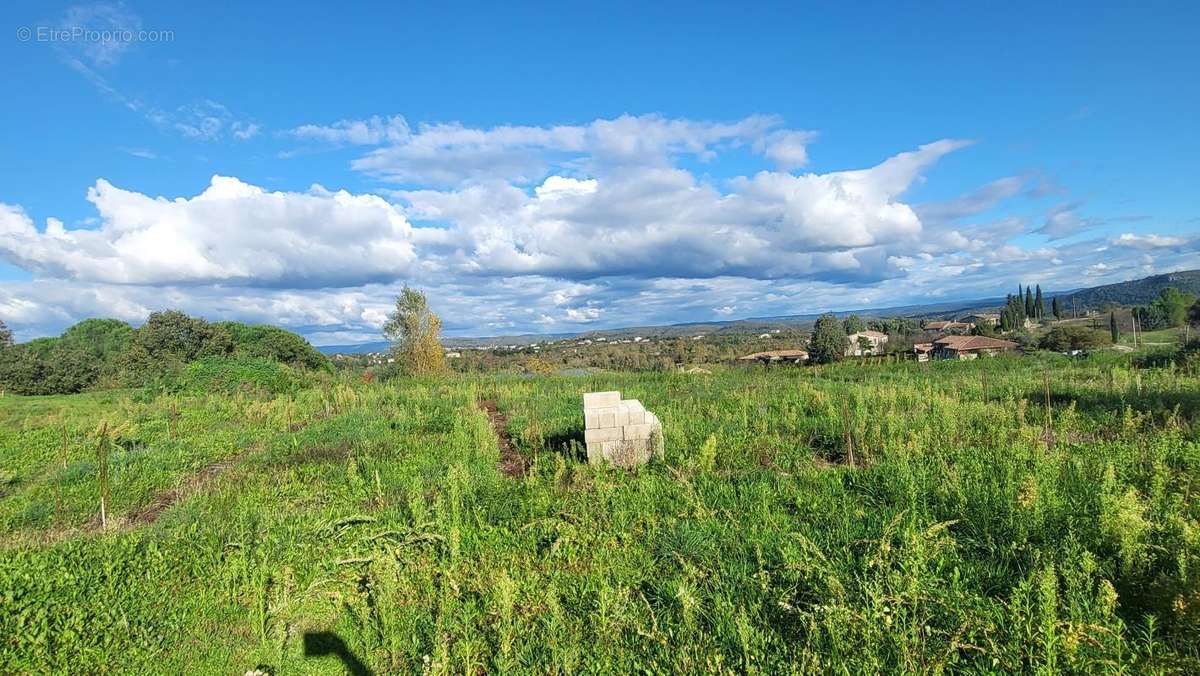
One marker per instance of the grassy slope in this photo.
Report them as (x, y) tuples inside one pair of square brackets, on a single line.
[(964, 539)]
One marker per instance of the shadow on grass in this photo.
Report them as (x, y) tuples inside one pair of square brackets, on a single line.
[(1099, 403), (569, 442), (325, 643)]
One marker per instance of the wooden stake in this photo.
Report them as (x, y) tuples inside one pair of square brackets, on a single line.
[(1049, 414), (848, 434), (102, 457)]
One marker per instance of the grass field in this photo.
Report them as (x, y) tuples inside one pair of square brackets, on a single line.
[(853, 518)]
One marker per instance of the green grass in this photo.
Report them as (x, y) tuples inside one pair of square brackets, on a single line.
[(973, 533)]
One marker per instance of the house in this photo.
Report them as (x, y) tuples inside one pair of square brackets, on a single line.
[(982, 318), (949, 327), (791, 356), (923, 351), (874, 342), (969, 347)]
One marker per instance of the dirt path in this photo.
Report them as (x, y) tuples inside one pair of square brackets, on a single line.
[(511, 462), (146, 514), (149, 513)]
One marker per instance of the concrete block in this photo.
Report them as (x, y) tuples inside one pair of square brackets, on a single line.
[(640, 432), (601, 434), (620, 432), (601, 399), (635, 412), (605, 417), (595, 452)]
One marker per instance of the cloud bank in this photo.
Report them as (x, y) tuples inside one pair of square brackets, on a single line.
[(553, 228)]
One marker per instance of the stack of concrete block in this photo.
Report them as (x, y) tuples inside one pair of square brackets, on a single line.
[(620, 432)]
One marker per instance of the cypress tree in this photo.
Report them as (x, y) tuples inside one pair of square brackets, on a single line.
[(1113, 328), (1056, 308), (1039, 304)]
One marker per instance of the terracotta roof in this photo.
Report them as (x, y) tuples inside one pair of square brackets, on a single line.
[(967, 343), (940, 326), (869, 334), (776, 354)]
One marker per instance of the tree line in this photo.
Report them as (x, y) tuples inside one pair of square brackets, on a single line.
[(106, 353)]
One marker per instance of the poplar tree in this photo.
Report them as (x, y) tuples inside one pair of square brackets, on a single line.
[(413, 330)]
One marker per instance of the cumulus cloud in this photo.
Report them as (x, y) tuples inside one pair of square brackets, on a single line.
[(232, 232), (662, 221)]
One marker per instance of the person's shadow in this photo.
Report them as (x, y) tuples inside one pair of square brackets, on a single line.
[(325, 643)]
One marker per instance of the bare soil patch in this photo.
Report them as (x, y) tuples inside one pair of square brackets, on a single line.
[(512, 463)]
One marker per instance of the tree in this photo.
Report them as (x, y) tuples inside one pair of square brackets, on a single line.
[(104, 339), (1039, 304), (853, 324), (1113, 329), (174, 335), (1056, 308), (1170, 309), (985, 329), (865, 346), (1194, 313), (1013, 315), (1029, 303), (1175, 305), (828, 342), (413, 330), (6, 338)]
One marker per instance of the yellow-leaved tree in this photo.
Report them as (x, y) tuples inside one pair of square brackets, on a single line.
[(413, 331)]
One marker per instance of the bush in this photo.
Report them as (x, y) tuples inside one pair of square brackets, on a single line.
[(46, 366), (1066, 338), (272, 342), (231, 374)]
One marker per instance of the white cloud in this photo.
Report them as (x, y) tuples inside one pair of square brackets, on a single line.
[(373, 131), (528, 228), (109, 21), (788, 149), (232, 232), (207, 121), (1151, 241), (661, 221), (450, 153), (1064, 220)]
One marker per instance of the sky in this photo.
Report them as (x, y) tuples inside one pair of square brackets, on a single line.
[(543, 168)]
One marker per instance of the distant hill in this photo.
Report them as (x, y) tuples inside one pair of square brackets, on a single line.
[(1135, 292), (1138, 291)]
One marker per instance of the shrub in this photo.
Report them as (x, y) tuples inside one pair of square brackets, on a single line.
[(46, 366), (1065, 338), (272, 342), (231, 374)]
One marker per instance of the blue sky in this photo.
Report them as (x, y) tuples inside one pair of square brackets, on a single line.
[(545, 168)]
